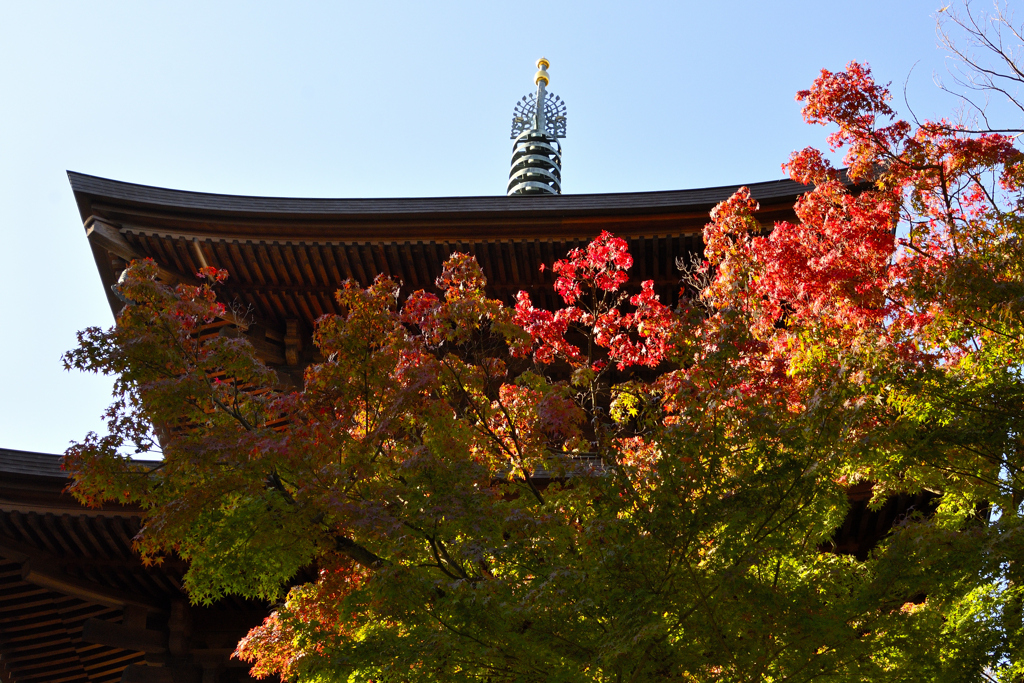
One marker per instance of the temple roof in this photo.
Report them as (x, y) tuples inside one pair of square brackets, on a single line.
[(77, 605), (287, 256), (31, 463), (101, 196)]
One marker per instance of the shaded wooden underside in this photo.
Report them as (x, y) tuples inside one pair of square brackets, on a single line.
[(298, 280), (77, 604), (41, 635)]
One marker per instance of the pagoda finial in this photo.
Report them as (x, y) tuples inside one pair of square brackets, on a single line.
[(537, 123), (542, 75)]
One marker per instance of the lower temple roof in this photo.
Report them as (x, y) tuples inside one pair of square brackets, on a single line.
[(78, 606)]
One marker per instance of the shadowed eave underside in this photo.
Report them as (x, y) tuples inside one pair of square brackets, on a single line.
[(77, 605)]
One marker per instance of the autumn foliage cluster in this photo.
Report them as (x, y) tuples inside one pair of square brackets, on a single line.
[(616, 490)]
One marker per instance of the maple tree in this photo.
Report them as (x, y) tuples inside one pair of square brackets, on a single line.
[(616, 490)]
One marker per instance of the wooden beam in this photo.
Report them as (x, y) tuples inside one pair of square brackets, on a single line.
[(179, 626), (292, 342), (12, 552), (35, 570), (84, 590), (134, 617), (138, 673), (124, 637), (268, 351), (108, 237)]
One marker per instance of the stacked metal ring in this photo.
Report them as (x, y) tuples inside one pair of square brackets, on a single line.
[(536, 164)]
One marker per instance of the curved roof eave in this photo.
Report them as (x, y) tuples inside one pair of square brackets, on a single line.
[(94, 193)]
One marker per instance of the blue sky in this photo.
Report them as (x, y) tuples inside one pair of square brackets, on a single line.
[(381, 99)]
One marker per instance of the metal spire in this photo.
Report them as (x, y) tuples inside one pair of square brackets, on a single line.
[(537, 123)]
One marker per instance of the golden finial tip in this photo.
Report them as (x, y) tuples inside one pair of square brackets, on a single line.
[(542, 75)]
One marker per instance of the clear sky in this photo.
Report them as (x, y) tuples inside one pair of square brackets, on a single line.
[(375, 99)]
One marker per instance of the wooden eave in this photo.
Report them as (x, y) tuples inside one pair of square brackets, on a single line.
[(36, 482), (455, 219), (77, 605)]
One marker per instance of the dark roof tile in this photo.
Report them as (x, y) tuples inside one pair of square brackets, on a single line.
[(30, 462), (98, 188)]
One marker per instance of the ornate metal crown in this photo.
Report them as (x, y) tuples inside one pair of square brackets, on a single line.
[(526, 110)]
